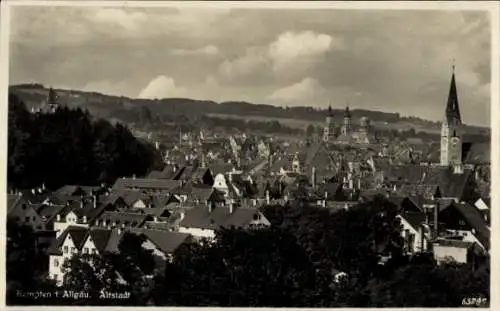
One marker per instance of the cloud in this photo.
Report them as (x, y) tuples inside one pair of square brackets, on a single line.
[(295, 53), (162, 87), (305, 92), (128, 20), (251, 64), (209, 50), (399, 61)]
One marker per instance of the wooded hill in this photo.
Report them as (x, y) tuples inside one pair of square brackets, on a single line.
[(129, 110)]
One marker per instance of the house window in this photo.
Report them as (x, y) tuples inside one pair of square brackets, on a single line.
[(86, 250), (73, 250), (55, 276), (94, 251), (56, 263), (65, 249), (33, 218), (27, 219)]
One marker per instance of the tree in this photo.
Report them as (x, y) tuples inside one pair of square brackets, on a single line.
[(21, 253), (68, 147)]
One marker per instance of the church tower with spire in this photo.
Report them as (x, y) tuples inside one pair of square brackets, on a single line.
[(329, 130), (451, 138), (346, 127)]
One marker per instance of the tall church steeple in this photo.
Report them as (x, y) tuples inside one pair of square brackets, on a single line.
[(452, 108), (451, 140)]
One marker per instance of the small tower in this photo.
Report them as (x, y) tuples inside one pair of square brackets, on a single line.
[(52, 101), (451, 139), (329, 130), (346, 127)]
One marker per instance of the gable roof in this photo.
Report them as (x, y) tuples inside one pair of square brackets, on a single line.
[(414, 219), (12, 201), (219, 217), (166, 241), (103, 239), (476, 221)]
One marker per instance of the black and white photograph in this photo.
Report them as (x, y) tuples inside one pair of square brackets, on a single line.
[(239, 154)]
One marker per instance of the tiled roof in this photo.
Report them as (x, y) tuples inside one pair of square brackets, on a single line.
[(128, 219), (103, 239), (49, 212), (450, 184), (219, 217), (100, 237), (166, 241), (476, 221), (34, 198), (166, 173), (12, 201), (221, 168), (241, 217), (415, 219), (196, 218), (145, 184)]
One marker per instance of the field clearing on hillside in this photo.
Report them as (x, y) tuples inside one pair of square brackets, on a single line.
[(302, 124)]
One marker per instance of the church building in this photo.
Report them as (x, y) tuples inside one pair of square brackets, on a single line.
[(452, 131)]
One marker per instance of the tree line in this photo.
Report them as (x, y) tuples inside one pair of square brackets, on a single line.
[(309, 257), (69, 147)]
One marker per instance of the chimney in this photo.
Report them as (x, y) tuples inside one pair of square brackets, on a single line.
[(43, 187), (351, 183), (84, 219), (268, 198), (81, 203), (313, 177), (359, 183), (119, 230), (133, 176), (155, 219), (231, 206), (326, 195), (33, 191), (436, 228), (94, 201), (58, 217), (395, 188), (210, 206), (230, 177)]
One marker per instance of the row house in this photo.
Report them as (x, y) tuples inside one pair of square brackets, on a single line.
[(204, 222), (76, 241), (79, 240)]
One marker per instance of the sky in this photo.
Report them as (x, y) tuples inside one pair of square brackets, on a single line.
[(387, 60)]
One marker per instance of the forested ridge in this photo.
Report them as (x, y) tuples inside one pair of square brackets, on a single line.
[(69, 147)]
